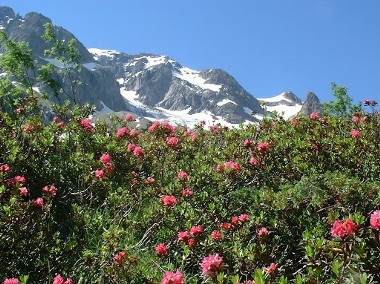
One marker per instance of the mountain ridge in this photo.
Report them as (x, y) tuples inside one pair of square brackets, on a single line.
[(152, 86)]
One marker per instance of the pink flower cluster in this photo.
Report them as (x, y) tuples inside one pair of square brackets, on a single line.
[(119, 258), (172, 141), (355, 133), (235, 221), (314, 115), (341, 230), (230, 166), (60, 280), (173, 278), (20, 180), (263, 146), (375, 220), (51, 189), (136, 150), (124, 131), (168, 200), (161, 249), (86, 124), (11, 281), (4, 168), (271, 269), (211, 264), (183, 176), (39, 202), (129, 117)]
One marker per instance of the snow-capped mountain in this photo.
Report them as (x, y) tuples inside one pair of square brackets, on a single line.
[(154, 87)]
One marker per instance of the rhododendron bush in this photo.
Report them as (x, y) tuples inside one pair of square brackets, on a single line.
[(282, 201)]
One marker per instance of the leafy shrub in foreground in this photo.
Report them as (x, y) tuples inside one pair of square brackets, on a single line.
[(279, 202)]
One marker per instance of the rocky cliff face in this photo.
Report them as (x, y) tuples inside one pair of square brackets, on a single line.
[(312, 104), (151, 86)]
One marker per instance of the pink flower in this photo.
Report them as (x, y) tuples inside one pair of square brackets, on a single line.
[(99, 174), (5, 168), (21, 180), (108, 168), (254, 161), (122, 132), (314, 115), (226, 226), (129, 117), (234, 220), (149, 180), (263, 232), (271, 269), (85, 123), (131, 147), (196, 230), (191, 243), (161, 249), (172, 141), (183, 236), (11, 281), (216, 235), (105, 158), (367, 102), (194, 137), (263, 146), (51, 189), (295, 122), (231, 166), (247, 143), (182, 176), (349, 226), (356, 119), (39, 202), (243, 217), (60, 280), (168, 200), (355, 133), (337, 229), (28, 128), (138, 151), (219, 168), (186, 192), (134, 133), (155, 125), (341, 230), (211, 264), (119, 258), (172, 278), (23, 191), (375, 220)]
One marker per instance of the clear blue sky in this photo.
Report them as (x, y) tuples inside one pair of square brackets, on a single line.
[(269, 46)]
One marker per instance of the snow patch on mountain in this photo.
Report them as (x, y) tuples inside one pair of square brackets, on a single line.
[(280, 97), (194, 78), (96, 53), (284, 110), (131, 97), (225, 101)]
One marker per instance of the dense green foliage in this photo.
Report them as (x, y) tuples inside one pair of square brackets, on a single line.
[(93, 201)]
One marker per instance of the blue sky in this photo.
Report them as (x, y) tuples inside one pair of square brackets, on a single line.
[(269, 46)]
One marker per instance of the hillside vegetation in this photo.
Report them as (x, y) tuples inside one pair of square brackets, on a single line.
[(282, 201)]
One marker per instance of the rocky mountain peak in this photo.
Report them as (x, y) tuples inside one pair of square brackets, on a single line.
[(312, 104), (6, 13)]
